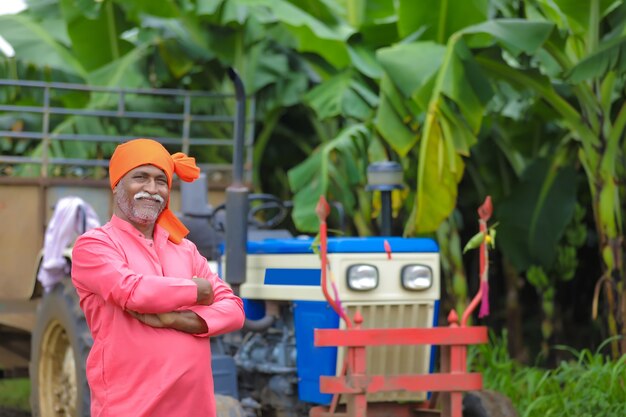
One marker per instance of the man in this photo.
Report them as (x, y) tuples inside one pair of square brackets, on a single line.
[(149, 297)]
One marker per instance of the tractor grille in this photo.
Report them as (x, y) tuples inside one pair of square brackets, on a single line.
[(394, 360)]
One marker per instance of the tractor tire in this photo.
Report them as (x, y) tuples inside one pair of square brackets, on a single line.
[(487, 403), (60, 344), (228, 406)]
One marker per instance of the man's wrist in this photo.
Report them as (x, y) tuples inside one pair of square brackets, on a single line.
[(168, 319)]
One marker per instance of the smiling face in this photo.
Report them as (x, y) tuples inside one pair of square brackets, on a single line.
[(141, 195)]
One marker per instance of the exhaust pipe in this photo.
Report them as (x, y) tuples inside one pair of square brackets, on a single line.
[(237, 197)]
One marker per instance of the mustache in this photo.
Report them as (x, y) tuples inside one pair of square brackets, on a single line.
[(144, 194)]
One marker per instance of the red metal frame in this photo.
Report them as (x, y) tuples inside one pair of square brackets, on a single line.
[(354, 383)]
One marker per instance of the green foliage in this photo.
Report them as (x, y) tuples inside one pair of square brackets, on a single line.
[(33, 44), (452, 268), (536, 212), (325, 173), (587, 385), (439, 19), (573, 239), (344, 94), (562, 269), (610, 57)]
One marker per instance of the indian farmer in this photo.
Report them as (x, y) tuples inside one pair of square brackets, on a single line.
[(150, 299)]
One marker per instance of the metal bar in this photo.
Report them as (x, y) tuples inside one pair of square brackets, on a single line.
[(250, 142), (240, 127), (220, 142), (53, 161), (116, 114), (103, 138), (121, 103), (28, 160), (411, 336), (444, 397), (68, 137), (45, 132), (83, 87), (359, 370), (186, 124), (237, 196), (81, 162), (19, 159), (355, 384), (110, 113), (216, 167), (456, 367), (54, 181), (385, 213)]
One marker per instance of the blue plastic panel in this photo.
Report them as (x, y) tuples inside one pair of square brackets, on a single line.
[(293, 276), (344, 245), (312, 362), (254, 309), (433, 348)]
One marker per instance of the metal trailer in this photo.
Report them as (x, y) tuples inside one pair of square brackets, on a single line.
[(45, 334), (281, 354)]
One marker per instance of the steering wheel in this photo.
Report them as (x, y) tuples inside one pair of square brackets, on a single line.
[(259, 204)]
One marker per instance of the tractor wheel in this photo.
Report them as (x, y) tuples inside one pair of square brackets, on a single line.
[(487, 403), (228, 406), (60, 344)]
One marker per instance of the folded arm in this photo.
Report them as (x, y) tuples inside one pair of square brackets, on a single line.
[(98, 267), (226, 313), (203, 305), (185, 321)]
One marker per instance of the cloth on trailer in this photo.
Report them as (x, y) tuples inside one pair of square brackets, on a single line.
[(71, 218)]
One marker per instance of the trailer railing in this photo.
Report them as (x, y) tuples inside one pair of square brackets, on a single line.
[(194, 119)]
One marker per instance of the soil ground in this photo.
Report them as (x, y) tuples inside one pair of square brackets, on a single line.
[(12, 412)]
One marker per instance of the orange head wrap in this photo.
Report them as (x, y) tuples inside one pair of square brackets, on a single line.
[(135, 153)]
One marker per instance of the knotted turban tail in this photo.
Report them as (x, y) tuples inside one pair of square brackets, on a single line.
[(138, 152), (185, 167), (176, 229)]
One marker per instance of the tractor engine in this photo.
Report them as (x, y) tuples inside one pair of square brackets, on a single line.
[(266, 361)]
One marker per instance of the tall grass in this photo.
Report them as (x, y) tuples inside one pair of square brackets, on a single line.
[(587, 385)]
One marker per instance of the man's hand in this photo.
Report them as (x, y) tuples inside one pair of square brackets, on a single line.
[(163, 320), (205, 291)]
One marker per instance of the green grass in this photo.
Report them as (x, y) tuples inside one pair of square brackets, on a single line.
[(15, 393), (587, 385)]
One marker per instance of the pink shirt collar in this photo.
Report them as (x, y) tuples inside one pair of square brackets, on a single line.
[(160, 234)]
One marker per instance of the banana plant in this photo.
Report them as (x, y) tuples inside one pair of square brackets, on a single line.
[(436, 86), (584, 56), (557, 44)]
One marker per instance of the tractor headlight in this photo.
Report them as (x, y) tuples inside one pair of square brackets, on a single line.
[(362, 277), (417, 277)]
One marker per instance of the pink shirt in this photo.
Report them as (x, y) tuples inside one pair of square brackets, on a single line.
[(134, 369)]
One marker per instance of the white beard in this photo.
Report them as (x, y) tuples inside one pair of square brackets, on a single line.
[(137, 213)]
